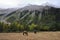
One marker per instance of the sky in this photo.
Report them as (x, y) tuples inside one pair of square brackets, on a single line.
[(22, 3)]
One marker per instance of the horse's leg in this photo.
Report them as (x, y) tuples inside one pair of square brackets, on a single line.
[(27, 33)]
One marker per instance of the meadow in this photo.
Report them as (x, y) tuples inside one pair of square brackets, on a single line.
[(31, 36)]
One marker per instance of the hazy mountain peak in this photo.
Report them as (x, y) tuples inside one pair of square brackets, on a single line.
[(32, 7), (48, 4)]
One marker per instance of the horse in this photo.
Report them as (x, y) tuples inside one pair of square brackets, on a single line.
[(35, 31), (25, 33)]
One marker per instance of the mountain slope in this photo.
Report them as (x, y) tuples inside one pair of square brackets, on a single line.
[(31, 14)]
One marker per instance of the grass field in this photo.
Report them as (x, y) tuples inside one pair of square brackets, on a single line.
[(31, 36)]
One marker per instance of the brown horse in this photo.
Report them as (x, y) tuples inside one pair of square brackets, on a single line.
[(25, 33)]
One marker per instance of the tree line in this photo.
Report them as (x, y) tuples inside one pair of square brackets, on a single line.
[(17, 27)]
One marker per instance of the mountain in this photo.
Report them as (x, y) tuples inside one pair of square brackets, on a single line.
[(48, 4), (32, 7), (41, 17), (5, 12), (29, 13)]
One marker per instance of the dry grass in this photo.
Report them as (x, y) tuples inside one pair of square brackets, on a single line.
[(31, 36)]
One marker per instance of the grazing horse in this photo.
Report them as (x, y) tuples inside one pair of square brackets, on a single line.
[(25, 33)]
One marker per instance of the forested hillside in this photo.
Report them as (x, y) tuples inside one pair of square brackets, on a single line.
[(40, 18)]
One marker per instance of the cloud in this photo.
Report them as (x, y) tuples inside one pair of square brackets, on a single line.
[(21, 3), (8, 3)]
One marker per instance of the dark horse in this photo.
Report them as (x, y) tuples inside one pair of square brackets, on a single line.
[(25, 33), (35, 31)]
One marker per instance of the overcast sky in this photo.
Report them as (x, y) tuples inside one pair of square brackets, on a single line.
[(21, 3)]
